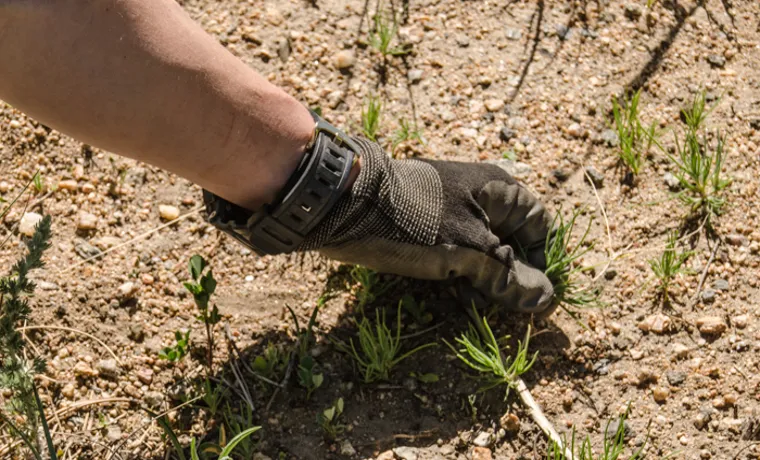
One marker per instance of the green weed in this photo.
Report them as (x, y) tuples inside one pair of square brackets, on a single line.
[(635, 139), (384, 33), (239, 423), (213, 396), (308, 376), (670, 264), (202, 287), (39, 182), (561, 267), (699, 165), (328, 420), (17, 372), (417, 310), (179, 350), (371, 115), (370, 286), (613, 447), (271, 364), (481, 351), (379, 348), (405, 132)]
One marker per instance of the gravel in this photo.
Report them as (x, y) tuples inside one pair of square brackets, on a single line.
[(711, 325), (28, 223), (344, 59), (596, 177), (168, 212)]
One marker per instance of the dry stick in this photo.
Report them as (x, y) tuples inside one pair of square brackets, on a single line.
[(704, 272), (538, 416), (238, 374), (133, 240), (63, 328)]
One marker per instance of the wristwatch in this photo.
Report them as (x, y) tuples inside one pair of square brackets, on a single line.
[(308, 196)]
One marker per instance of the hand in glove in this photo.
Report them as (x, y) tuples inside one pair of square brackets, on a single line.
[(440, 220)]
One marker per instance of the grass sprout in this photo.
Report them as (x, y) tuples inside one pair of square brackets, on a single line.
[(635, 139), (668, 265), (613, 446), (480, 350), (371, 115), (370, 286), (384, 33), (406, 132), (379, 349), (561, 267)]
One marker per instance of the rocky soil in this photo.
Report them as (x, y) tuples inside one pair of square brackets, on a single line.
[(484, 80)]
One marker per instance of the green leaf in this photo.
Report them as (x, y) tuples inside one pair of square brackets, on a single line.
[(428, 378), (317, 380), (329, 413), (208, 283), (260, 364), (197, 264), (193, 450), (339, 405), (235, 441)]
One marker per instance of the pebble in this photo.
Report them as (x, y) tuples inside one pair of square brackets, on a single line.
[(387, 455), (703, 418), (344, 59), (657, 323), (85, 250), (614, 426), (83, 370), (483, 439), (513, 168), (405, 453), (721, 285), (28, 222), (661, 394), (147, 279), (68, 391), (711, 325), (716, 60), (87, 187), (4, 187), (114, 433), (347, 449), (87, 221), (136, 332), (740, 321), (415, 75), (596, 177), (708, 296), (69, 185), (671, 181), (145, 376), (127, 290), (735, 239), (494, 105), (481, 453), (510, 422), (108, 368), (675, 378), (47, 286), (610, 138), (575, 130), (105, 242), (514, 34), (168, 212), (632, 11), (153, 398)]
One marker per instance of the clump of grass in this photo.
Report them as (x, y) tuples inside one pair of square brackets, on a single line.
[(201, 451), (384, 34), (379, 348), (406, 132), (612, 448), (480, 350), (370, 286), (371, 115), (561, 266), (699, 164), (668, 265), (635, 139), (17, 372)]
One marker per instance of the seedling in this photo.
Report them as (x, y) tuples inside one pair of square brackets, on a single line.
[(384, 33), (16, 371), (371, 114), (239, 423), (379, 348), (481, 351), (404, 133), (635, 139), (271, 364), (328, 420), (39, 183), (308, 375), (417, 310), (370, 286), (177, 351), (202, 287), (198, 451), (697, 170), (670, 264), (561, 268), (213, 396), (612, 449)]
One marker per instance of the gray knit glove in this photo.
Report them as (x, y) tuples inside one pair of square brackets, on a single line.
[(440, 220)]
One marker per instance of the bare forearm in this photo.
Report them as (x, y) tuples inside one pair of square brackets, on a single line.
[(140, 78)]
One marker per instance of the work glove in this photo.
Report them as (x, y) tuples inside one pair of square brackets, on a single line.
[(442, 220)]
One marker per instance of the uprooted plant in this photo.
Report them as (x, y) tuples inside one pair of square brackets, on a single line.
[(17, 373)]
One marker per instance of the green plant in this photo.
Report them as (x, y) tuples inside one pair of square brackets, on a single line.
[(328, 420), (213, 395), (699, 164), (481, 351), (17, 372), (202, 287), (371, 115), (370, 286), (379, 348), (635, 139), (668, 266), (308, 375), (384, 33), (417, 310), (39, 183), (561, 267), (612, 447), (271, 364), (177, 351), (404, 133), (239, 423)]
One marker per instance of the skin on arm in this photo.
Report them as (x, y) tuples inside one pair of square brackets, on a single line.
[(141, 79)]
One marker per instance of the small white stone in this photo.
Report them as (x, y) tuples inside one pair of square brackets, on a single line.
[(127, 289), (87, 221), (28, 222), (494, 105), (4, 187), (680, 351), (344, 59), (69, 185), (168, 212), (575, 130)]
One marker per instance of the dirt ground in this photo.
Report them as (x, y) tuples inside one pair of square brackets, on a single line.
[(533, 79)]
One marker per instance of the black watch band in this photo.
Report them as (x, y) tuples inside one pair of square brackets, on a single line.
[(310, 193)]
